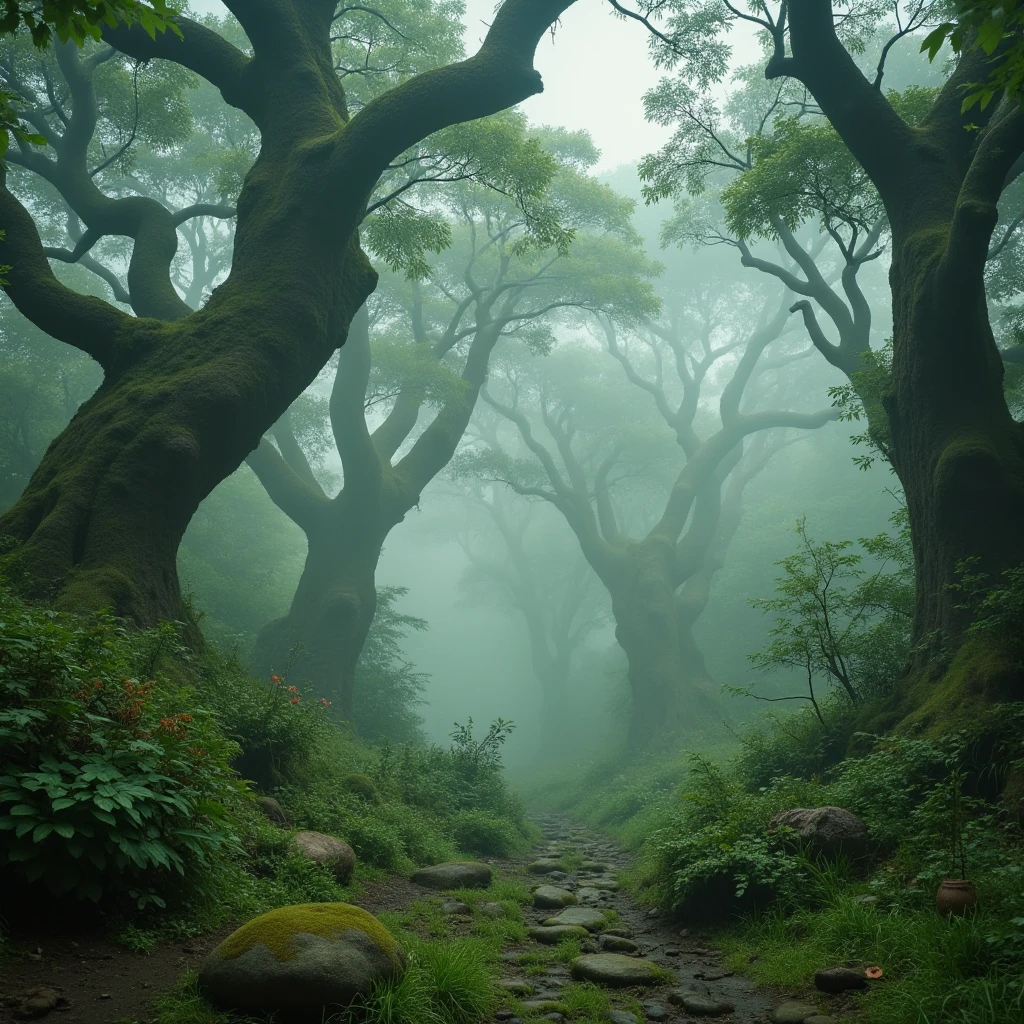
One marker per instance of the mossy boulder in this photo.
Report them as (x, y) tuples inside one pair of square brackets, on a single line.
[(362, 786), (301, 961)]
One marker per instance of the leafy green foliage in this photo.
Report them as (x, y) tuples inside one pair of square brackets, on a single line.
[(839, 623), (104, 785), (988, 25), (79, 20)]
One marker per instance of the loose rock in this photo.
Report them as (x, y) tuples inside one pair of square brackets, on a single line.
[(517, 988), (544, 866), (492, 910), (550, 897), (793, 1013), (551, 936), (592, 920), (456, 908), (617, 944), (621, 1017), (615, 969), (301, 959), (705, 1006), (455, 875), (655, 1011), (338, 857)]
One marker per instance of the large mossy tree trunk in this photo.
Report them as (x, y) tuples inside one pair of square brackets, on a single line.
[(672, 694), (184, 401), (953, 442)]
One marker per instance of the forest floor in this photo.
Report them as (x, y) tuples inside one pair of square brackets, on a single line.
[(99, 982)]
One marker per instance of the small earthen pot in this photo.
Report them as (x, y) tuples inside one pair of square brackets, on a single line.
[(956, 897)]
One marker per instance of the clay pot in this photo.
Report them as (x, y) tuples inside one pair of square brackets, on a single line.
[(956, 897)]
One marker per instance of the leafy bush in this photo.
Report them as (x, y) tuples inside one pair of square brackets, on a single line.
[(481, 833), (106, 783)]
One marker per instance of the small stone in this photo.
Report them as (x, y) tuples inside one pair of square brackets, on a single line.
[(39, 1002), (588, 894), (106, 995), (594, 867), (792, 1013), (673, 952), (455, 875), (621, 1017), (625, 933), (558, 876), (550, 897), (655, 1011), (839, 979), (545, 1006), (615, 969), (503, 1015), (456, 908), (819, 1018), (654, 912), (713, 975), (552, 935), (544, 866), (617, 944), (592, 920), (705, 1006), (517, 988)]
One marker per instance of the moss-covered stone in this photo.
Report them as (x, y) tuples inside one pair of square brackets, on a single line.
[(277, 930), (362, 786), (301, 961)]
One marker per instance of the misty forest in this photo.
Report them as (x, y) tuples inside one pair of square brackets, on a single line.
[(512, 510)]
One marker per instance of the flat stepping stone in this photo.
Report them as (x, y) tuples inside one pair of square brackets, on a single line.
[(455, 875), (592, 920), (545, 1006), (588, 893), (621, 1017), (550, 897), (617, 944), (544, 866), (551, 936), (517, 988), (705, 1006), (616, 969), (793, 1013), (593, 865)]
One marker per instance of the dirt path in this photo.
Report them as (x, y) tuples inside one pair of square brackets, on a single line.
[(99, 982), (696, 968)]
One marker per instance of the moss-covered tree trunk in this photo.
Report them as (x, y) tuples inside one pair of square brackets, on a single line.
[(953, 442), (671, 692), (957, 450), (185, 400), (321, 637)]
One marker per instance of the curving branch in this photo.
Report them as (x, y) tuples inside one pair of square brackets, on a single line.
[(302, 504), (83, 321)]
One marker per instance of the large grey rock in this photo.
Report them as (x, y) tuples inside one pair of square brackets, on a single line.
[(467, 874), (830, 831), (338, 857), (793, 1013), (300, 960), (615, 969), (492, 910), (554, 935), (592, 920), (550, 897)]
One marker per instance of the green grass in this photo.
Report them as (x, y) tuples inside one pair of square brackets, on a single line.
[(936, 969)]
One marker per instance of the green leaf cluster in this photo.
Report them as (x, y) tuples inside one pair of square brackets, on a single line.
[(104, 786)]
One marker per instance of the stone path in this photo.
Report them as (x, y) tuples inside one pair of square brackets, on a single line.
[(624, 954)]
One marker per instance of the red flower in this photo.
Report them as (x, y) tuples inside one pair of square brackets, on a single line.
[(292, 689), (295, 700), (326, 703), (275, 680)]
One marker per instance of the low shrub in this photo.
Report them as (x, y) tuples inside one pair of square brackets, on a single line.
[(479, 832), (108, 784)]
